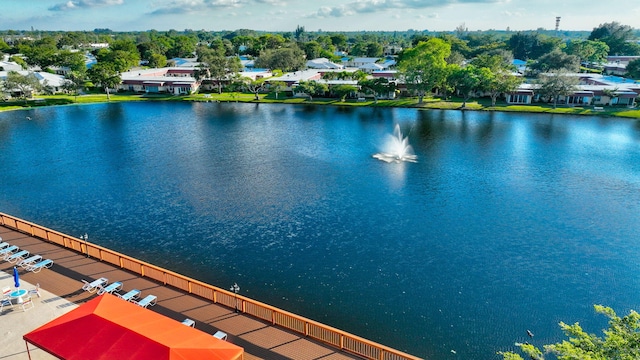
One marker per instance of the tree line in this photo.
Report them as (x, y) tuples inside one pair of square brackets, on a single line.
[(461, 61)]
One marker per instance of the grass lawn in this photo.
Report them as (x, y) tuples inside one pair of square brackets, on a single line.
[(427, 103)]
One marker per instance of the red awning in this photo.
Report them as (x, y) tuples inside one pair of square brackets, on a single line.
[(110, 328)]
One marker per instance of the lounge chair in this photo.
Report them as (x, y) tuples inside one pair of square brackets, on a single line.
[(4, 244), (20, 255), (131, 295), (37, 267), (94, 285), (4, 302), (35, 290), (189, 322), (8, 250), (29, 261), (220, 335), (116, 286), (149, 300), (27, 304), (6, 291)]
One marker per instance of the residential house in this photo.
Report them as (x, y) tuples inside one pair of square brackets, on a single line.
[(9, 66), (592, 89), (391, 50), (172, 80), (292, 78), (256, 74), (51, 82), (323, 63)]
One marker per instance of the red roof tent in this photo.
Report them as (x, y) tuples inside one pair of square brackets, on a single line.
[(110, 328)]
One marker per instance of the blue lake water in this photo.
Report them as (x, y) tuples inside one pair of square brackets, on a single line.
[(507, 222)]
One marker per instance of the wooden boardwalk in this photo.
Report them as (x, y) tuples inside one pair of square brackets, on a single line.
[(259, 339)]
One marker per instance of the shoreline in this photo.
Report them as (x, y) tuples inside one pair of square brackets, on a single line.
[(427, 104)]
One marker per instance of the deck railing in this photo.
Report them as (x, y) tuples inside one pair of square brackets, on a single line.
[(277, 317)]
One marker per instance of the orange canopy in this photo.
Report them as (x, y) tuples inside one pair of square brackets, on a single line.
[(110, 328)]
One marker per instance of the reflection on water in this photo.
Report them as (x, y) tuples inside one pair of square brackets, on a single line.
[(507, 222)]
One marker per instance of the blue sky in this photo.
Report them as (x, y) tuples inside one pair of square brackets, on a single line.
[(326, 15)]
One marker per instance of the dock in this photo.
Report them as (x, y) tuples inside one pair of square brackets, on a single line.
[(263, 331)]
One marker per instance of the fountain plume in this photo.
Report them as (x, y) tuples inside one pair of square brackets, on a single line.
[(397, 148)]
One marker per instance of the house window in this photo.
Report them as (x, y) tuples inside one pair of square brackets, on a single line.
[(519, 99)]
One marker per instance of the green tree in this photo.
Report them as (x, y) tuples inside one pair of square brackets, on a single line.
[(424, 65), (633, 69), (377, 86), (555, 60), (339, 41), (492, 62), (457, 45), (40, 53), (74, 61), (621, 341), (121, 55), (183, 46), (311, 88), (106, 75), (74, 82), (342, 91), (20, 61), (374, 49), (73, 39), (588, 50), (299, 32), (253, 86), (618, 37), (312, 49), (216, 66), (525, 46), (468, 80), (24, 86), (4, 47), (157, 61), (556, 83), (502, 82), (286, 59), (277, 87)]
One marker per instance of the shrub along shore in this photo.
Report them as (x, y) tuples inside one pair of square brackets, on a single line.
[(428, 103)]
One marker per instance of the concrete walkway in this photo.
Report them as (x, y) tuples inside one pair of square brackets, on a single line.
[(14, 322)]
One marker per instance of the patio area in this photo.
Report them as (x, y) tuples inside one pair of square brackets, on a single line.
[(61, 291)]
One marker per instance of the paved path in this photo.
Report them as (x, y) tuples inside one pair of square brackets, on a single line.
[(15, 322)]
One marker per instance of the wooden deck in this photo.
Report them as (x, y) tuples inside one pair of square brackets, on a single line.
[(259, 339)]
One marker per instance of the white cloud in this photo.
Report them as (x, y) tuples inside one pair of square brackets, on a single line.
[(272, 2), (79, 4), (194, 6), (512, 13), (372, 6)]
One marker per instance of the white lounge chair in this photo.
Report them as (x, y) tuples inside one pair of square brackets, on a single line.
[(131, 295), (8, 250), (93, 286), (116, 286), (4, 302), (220, 335), (6, 291), (189, 322), (29, 261), (4, 244), (35, 290), (149, 300), (20, 255), (37, 267), (27, 304)]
